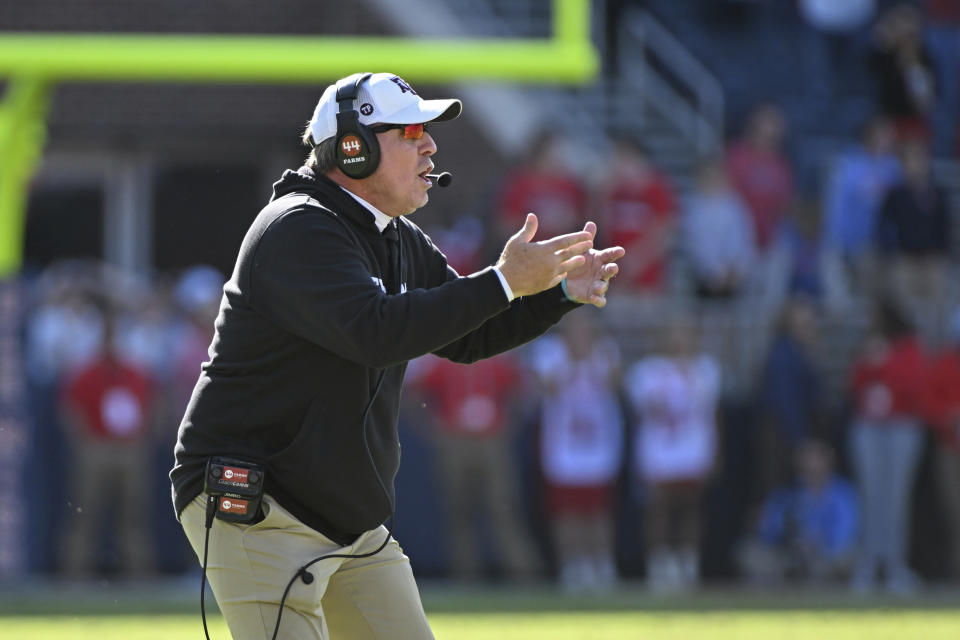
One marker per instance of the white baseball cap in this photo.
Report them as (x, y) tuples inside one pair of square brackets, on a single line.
[(383, 98)]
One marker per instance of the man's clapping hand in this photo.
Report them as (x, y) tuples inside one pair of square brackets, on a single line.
[(531, 267), (588, 283)]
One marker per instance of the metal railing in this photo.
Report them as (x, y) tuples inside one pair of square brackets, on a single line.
[(701, 117), (663, 92)]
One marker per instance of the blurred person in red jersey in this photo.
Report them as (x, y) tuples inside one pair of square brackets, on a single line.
[(638, 210), (675, 395), (886, 438), (106, 407), (543, 183), (914, 230), (761, 173), (62, 332), (581, 448), (472, 407), (904, 71), (718, 235), (944, 415)]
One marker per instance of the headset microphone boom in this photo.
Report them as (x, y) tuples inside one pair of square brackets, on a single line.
[(443, 179)]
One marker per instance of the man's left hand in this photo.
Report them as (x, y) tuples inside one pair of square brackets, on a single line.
[(588, 283)]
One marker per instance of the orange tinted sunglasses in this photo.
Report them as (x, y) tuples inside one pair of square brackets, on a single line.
[(410, 131)]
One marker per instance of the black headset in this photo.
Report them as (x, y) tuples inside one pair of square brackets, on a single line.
[(358, 152)]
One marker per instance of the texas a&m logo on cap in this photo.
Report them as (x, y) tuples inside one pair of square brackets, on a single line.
[(350, 145), (404, 87)]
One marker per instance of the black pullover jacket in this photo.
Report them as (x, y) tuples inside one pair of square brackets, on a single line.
[(321, 310)]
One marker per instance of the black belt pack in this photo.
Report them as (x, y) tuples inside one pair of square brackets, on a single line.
[(237, 486)]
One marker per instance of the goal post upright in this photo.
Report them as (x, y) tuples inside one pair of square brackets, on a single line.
[(32, 64)]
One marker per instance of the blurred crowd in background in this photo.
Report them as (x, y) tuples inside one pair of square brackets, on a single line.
[(773, 393)]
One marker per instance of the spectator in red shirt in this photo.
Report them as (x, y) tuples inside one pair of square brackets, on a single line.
[(543, 185), (106, 410), (638, 209), (761, 173), (944, 414), (886, 439), (471, 407)]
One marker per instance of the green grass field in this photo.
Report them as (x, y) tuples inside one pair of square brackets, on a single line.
[(110, 613), (584, 625)]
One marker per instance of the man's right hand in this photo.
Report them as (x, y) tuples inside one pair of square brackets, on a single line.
[(532, 267)]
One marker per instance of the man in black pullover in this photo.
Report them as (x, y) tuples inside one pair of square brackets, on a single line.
[(333, 292)]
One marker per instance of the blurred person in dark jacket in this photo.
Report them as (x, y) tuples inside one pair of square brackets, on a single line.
[(904, 71), (914, 230), (790, 393)]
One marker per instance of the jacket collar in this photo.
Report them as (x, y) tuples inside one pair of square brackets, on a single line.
[(329, 194), (381, 219)]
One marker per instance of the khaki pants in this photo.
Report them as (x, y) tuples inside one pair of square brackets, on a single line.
[(249, 566)]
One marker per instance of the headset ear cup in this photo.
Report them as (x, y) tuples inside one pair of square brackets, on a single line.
[(358, 152)]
